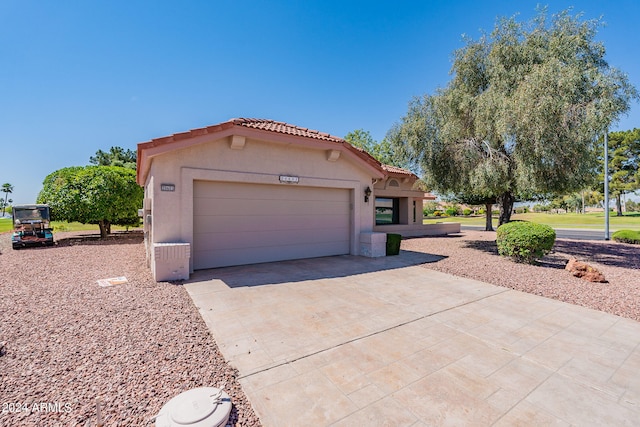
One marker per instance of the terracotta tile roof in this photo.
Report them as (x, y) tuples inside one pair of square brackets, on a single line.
[(289, 129), (286, 128), (396, 170), (259, 124), (387, 168)]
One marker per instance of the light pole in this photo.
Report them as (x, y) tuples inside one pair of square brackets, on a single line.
[(606, 184)]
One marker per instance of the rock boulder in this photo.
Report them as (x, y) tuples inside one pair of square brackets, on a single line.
[(585, 271)]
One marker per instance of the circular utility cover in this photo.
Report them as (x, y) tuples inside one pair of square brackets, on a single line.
[(196, 408)]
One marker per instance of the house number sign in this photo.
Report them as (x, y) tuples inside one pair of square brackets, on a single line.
[(167, 187), (289, 178)]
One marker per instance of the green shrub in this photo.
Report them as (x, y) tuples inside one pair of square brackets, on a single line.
[(481, 211), (430, 207), (393, 244), (541, 208), (60, 227), (525, 241), (451, 211), (627, 236), (466, 212)]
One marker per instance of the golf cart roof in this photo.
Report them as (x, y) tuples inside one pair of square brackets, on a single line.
[(34, 206)]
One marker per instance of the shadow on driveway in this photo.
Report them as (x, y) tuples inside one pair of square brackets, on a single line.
[(310, 269)]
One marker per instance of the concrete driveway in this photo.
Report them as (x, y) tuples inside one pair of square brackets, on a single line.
[(347, 341)]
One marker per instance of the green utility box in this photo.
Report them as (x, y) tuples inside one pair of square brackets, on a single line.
[(393, 244)]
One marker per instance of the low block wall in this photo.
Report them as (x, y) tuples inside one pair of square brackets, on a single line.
[(415, 230), (373, 244)]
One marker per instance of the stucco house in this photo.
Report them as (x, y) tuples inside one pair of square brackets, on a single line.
[(253, 190)]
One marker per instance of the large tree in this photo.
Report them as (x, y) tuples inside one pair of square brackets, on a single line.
[(116, 156), (102, 195), (521, 116), (624, 168), (6, 189), (382, 151)]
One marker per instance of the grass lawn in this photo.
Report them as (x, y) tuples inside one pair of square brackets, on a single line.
[(6, 225), (593, 221)]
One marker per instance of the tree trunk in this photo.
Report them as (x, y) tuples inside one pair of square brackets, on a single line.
[(619, 204), (4, 205), (505, 201), (105, 228), (488, 222)]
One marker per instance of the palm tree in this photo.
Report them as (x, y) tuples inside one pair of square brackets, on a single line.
[(6, 189)]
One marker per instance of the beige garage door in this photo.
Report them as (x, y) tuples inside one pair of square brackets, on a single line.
[(237, 224)]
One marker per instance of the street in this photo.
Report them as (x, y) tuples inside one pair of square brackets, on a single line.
[(561, 233)]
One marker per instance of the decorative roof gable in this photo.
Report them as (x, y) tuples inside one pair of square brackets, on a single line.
[(167, 143)]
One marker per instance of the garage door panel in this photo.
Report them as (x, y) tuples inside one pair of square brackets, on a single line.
[(243, 256), (270, 239), (237, 223), (206, 224), (240, 191), (251, 207)]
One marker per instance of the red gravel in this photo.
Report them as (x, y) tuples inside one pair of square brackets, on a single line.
[(474, 254), (68, 341)]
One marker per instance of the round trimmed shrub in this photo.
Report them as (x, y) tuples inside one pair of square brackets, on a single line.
[(525, 241), (627, 236), (451, 211), (466, 212)]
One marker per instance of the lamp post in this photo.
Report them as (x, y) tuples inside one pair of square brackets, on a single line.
[(606, 184)]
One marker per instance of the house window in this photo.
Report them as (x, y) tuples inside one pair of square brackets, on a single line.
[(387, 210), (414, 211)]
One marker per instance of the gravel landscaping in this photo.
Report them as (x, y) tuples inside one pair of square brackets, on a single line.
[(65, 341), (474, 254), (68, 341)]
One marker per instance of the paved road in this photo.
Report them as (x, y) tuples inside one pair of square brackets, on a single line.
[(562, 233)]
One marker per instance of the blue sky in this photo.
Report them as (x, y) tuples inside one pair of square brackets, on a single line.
[(78, 76)]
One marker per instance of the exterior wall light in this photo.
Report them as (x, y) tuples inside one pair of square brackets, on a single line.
[(367, 193)]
